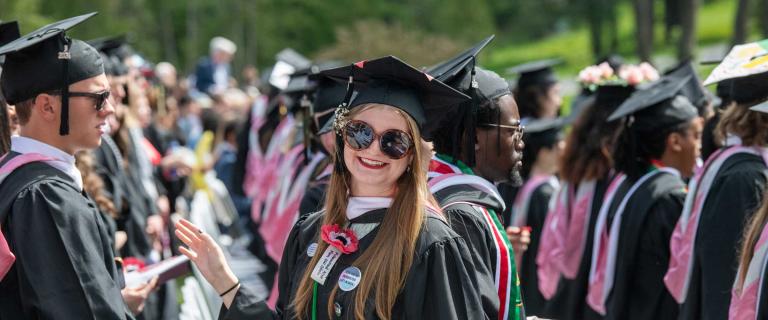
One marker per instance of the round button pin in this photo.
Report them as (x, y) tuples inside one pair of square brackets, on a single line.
[(349, 278)]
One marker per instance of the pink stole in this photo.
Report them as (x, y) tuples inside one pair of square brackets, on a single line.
[(6, 256), (523, 199), (683, 241), (519, 216), (606, 241), (746, 296), (564, 236)]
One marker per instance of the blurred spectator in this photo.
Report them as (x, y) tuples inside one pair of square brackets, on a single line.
[(213, 72), (166, 74), (251, 81)]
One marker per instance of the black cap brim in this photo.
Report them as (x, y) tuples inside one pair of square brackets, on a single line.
[(391, 81), (666, 88)]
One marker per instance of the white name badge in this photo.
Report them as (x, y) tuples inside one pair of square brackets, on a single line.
[(325, 264), (350, 278)]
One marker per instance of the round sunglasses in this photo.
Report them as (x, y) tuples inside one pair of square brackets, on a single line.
[(394, 143)]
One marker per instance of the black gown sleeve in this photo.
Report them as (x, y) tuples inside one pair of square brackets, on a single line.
[(731, 202), (645, 296), (475, 233), (64, 265), (534, 301), (442, 284), (313, 199)]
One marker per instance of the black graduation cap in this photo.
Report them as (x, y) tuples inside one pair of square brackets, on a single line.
[(490, 84), (607, 97), (536, 73), (48, 60), (110, 45), (612, 96), (693, 89), (391, 81), (659, 106), (114, 51), (541, 125), (328, 96), (752, 88), (459, 72), (300, 83), (9, 31)]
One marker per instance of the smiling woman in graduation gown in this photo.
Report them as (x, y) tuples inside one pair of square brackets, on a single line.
[(430, 277)]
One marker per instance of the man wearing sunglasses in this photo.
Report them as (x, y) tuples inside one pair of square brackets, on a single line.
[(475, 149), (56, 256)]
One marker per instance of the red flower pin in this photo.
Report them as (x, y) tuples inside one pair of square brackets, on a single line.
[(343, 239)]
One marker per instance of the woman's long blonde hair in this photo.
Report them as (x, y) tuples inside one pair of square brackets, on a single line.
[(748, 125), (385, 263), (751, 235)]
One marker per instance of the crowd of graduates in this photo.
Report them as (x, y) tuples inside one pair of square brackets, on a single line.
[(443, 192)]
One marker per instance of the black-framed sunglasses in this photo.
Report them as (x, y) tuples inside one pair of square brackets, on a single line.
[(394, 143), (99, 97)]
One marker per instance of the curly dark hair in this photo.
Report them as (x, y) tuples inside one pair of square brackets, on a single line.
[(637, 145), (587, 153), (93, 184), (450, 138)]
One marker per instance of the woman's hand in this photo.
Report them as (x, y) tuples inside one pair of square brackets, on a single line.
[(208, 257)]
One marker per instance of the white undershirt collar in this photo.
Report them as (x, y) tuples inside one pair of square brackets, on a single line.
[(62, 160), (358, 206)]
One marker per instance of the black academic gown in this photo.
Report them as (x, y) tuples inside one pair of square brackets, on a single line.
[(441, 283), (314, 197), (132, 206), (508, 192), (570, 301), (534, 302), (64, 267), (473, 227), (736, 193), (643, 253)]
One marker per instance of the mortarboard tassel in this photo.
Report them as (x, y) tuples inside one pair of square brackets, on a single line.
[(341, 112), (65, 56), (471, 118)]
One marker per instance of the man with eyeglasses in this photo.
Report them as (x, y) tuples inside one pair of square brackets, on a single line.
[(475, 148), (56, 257)]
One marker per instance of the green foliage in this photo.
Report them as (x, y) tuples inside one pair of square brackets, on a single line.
[(421, 31)]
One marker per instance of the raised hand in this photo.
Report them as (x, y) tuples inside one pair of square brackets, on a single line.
[(207, 256)]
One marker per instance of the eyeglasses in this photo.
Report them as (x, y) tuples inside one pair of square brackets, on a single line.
[(394, 143), (99, 97), (517, 130)]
